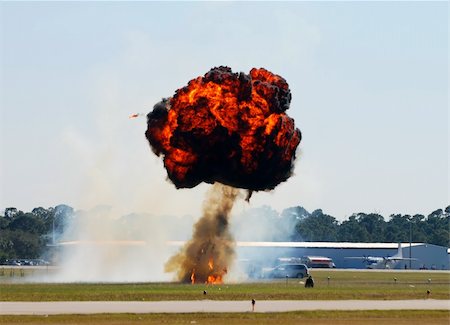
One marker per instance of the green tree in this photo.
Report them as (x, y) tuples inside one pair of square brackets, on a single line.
[(289, 218), (419, 229), (438, 227), (318, 227), (351, 231), (374, 225), (397, 229), (4, 222), (11, 212), (19, 244), (6, 245), (28, 223), (46, 216)]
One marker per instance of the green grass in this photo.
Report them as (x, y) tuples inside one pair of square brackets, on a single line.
[(410, 317), (342, 285)]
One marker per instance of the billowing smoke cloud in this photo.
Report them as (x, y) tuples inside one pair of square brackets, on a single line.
[(100, 245), (228, 128), (207, 256)]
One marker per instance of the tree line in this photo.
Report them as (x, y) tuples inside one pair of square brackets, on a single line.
[(27, 234), (362, 227)]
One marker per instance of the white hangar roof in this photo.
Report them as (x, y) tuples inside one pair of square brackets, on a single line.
[(313, 244), (326, 245), (332, 245)]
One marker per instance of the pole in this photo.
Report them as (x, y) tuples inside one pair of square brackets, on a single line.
[(410, 240), (53, 234)]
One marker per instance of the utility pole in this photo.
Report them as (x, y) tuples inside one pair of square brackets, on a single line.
[(53, 234), (410, 240)]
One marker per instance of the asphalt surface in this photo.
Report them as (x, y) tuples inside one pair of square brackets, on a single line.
[(212, 306)]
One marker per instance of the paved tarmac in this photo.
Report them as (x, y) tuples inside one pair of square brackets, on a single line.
[(212, 306)]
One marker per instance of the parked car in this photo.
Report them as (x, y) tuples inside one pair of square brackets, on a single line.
[(286, 270)]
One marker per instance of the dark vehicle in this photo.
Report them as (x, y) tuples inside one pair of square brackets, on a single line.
[(12, 262), (287, 270)]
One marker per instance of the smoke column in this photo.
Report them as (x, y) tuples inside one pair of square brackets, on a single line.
[(228, 128), (207, 256)]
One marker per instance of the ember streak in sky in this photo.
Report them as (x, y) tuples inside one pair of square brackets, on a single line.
[(231, 130), (226, 127)]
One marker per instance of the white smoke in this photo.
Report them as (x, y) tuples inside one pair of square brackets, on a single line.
[(97, 246), (113, 169), (100, 245), (261, 224)]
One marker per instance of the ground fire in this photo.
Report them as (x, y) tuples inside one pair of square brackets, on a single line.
[(224, 128), (206, 257)]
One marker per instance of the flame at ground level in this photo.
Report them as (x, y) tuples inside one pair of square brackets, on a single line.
[(216, 277), (206, 257)]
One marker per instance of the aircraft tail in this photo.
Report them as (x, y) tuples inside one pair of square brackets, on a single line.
[(400, 251)]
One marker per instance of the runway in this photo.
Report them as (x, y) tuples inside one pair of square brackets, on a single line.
[(212, 306)]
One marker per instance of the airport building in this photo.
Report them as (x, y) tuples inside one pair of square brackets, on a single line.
[(351, 255), (343, 254)]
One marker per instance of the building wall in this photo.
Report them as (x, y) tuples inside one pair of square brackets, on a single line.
[(429, 256)]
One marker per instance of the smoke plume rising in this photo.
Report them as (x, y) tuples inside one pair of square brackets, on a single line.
[(226, 128), (206, 257)]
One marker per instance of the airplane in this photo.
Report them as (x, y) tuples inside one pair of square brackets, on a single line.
[(378, 262)]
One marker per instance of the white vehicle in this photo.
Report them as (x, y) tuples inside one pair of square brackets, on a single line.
[(318, 262), (378, 262)]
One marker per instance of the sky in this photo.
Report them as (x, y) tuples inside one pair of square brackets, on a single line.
[(369, 85)]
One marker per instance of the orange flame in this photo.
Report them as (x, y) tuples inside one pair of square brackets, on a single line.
[(214, 279), (193, 276), (211, 264), (226, 127)]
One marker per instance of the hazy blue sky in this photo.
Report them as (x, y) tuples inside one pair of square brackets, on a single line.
[(369, 83)]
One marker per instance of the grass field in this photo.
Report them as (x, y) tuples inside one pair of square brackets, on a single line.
[(15, 286), (341, 285), (409, 317)]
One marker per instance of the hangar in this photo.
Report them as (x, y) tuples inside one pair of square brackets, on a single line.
[(422, 255), (264, 254)]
